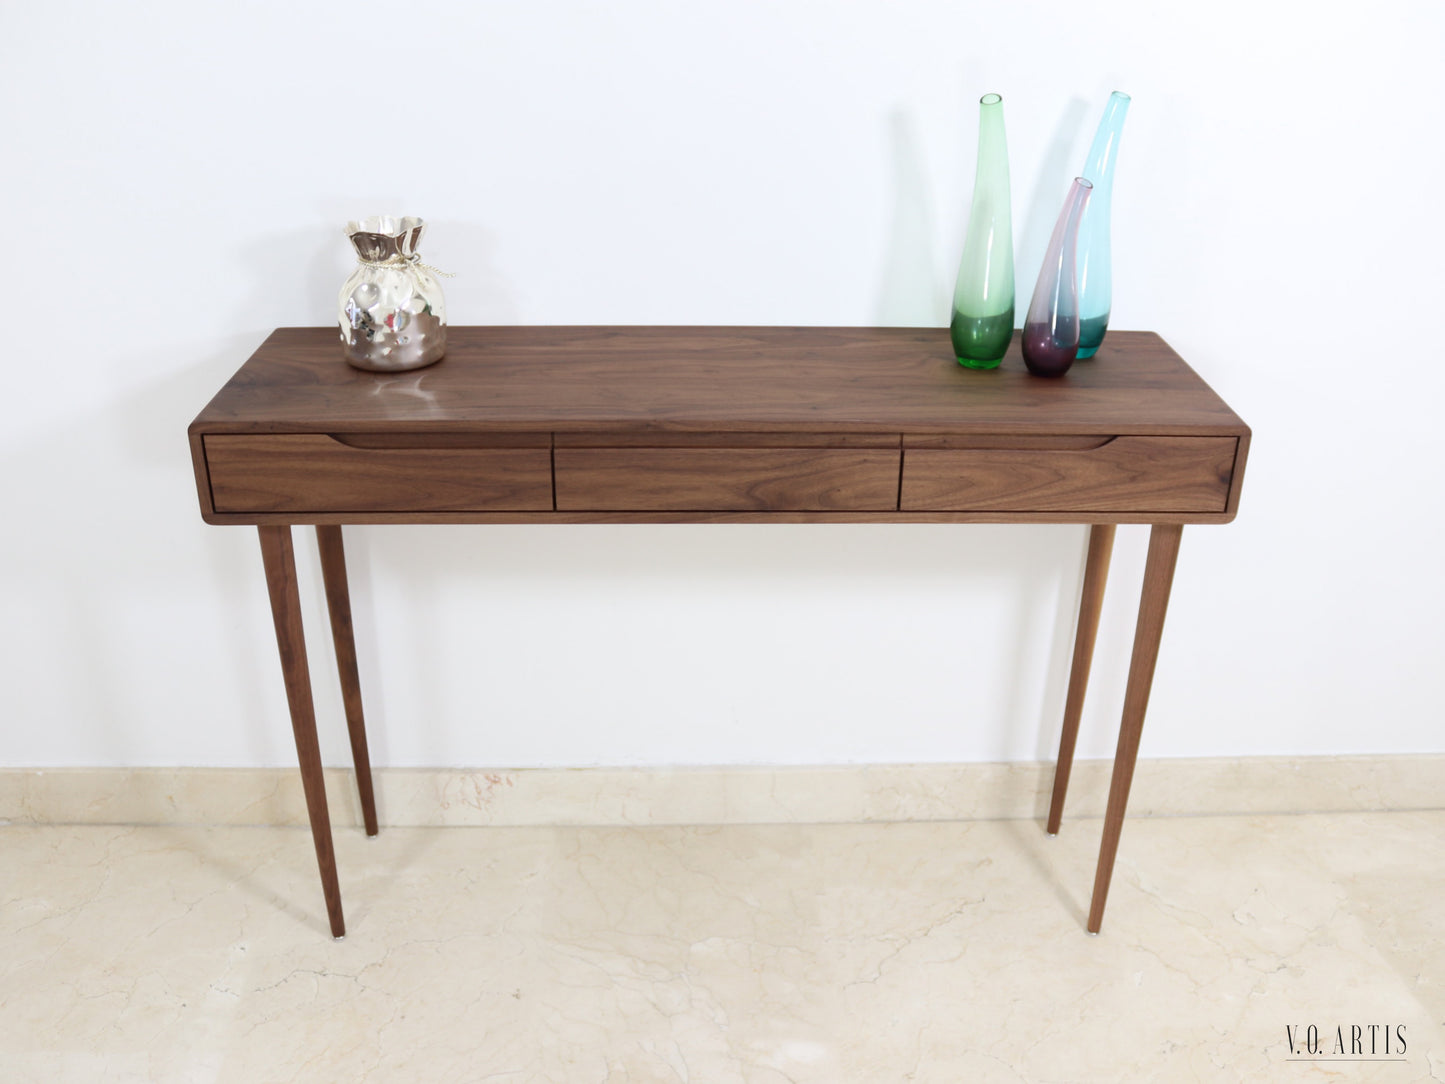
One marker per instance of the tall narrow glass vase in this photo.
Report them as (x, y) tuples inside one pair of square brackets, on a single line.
[(1096, 297), (983, 297), (1051, 328)]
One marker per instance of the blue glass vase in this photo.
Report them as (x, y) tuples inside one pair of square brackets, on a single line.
[(1096, 296)]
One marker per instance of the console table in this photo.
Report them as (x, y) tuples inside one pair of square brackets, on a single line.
[(713, 425)]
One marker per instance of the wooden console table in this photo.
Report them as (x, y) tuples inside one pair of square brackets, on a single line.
[(714, 425)]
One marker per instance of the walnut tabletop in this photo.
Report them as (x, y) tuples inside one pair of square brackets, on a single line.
[(713, 424), (648, 380), (1108, 439)]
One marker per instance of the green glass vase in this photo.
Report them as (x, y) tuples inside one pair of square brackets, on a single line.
[(983, 297)]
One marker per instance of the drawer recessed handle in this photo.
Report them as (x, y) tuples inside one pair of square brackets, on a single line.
[(1085, 443), (422, 441)]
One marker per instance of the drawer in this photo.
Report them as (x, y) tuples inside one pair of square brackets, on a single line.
[(316, 472), (1101, 474), (721, 479)]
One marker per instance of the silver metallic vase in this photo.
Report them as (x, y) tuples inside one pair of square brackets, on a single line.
[(392, 313)]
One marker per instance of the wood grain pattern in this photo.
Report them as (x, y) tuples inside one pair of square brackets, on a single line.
[(726, 479), (414, 439), (725, 440), (1091, 603), (529, 388), (338, 608), (252, 519), (1153, 604), (202, 474), (1042, 442), (280, 564), (1236, 484), (714, 425), (300, 473), (714, 379), (1126, 474)]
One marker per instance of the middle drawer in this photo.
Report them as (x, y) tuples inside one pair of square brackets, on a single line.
[(727, 479)]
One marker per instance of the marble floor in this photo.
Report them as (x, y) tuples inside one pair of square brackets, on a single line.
[(926, 952)]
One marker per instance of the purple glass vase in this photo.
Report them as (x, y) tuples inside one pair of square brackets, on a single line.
[(1051, 329)]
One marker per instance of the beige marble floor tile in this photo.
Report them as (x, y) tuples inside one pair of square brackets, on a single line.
[(736, 794), (924, 952)]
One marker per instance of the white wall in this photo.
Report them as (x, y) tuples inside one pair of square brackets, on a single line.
[(174, 182)]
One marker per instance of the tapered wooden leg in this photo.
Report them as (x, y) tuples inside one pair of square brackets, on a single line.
[(280, 563), (338, 604), (1158, 577), (1096, 573)]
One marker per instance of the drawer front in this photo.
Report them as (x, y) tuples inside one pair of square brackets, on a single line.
[(727, 479), (1122, 474), (313, 472)]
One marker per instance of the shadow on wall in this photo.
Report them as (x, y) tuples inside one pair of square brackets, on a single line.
[(109, 563), (103, 576), (321, 259), (479, 293), (161, 617), (1051, 185), (914, 293), (303, 270), (149, 623), (298, 271), (671, 628), (156, 624)]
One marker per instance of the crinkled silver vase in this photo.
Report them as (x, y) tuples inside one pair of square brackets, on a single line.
[(392, 313)]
